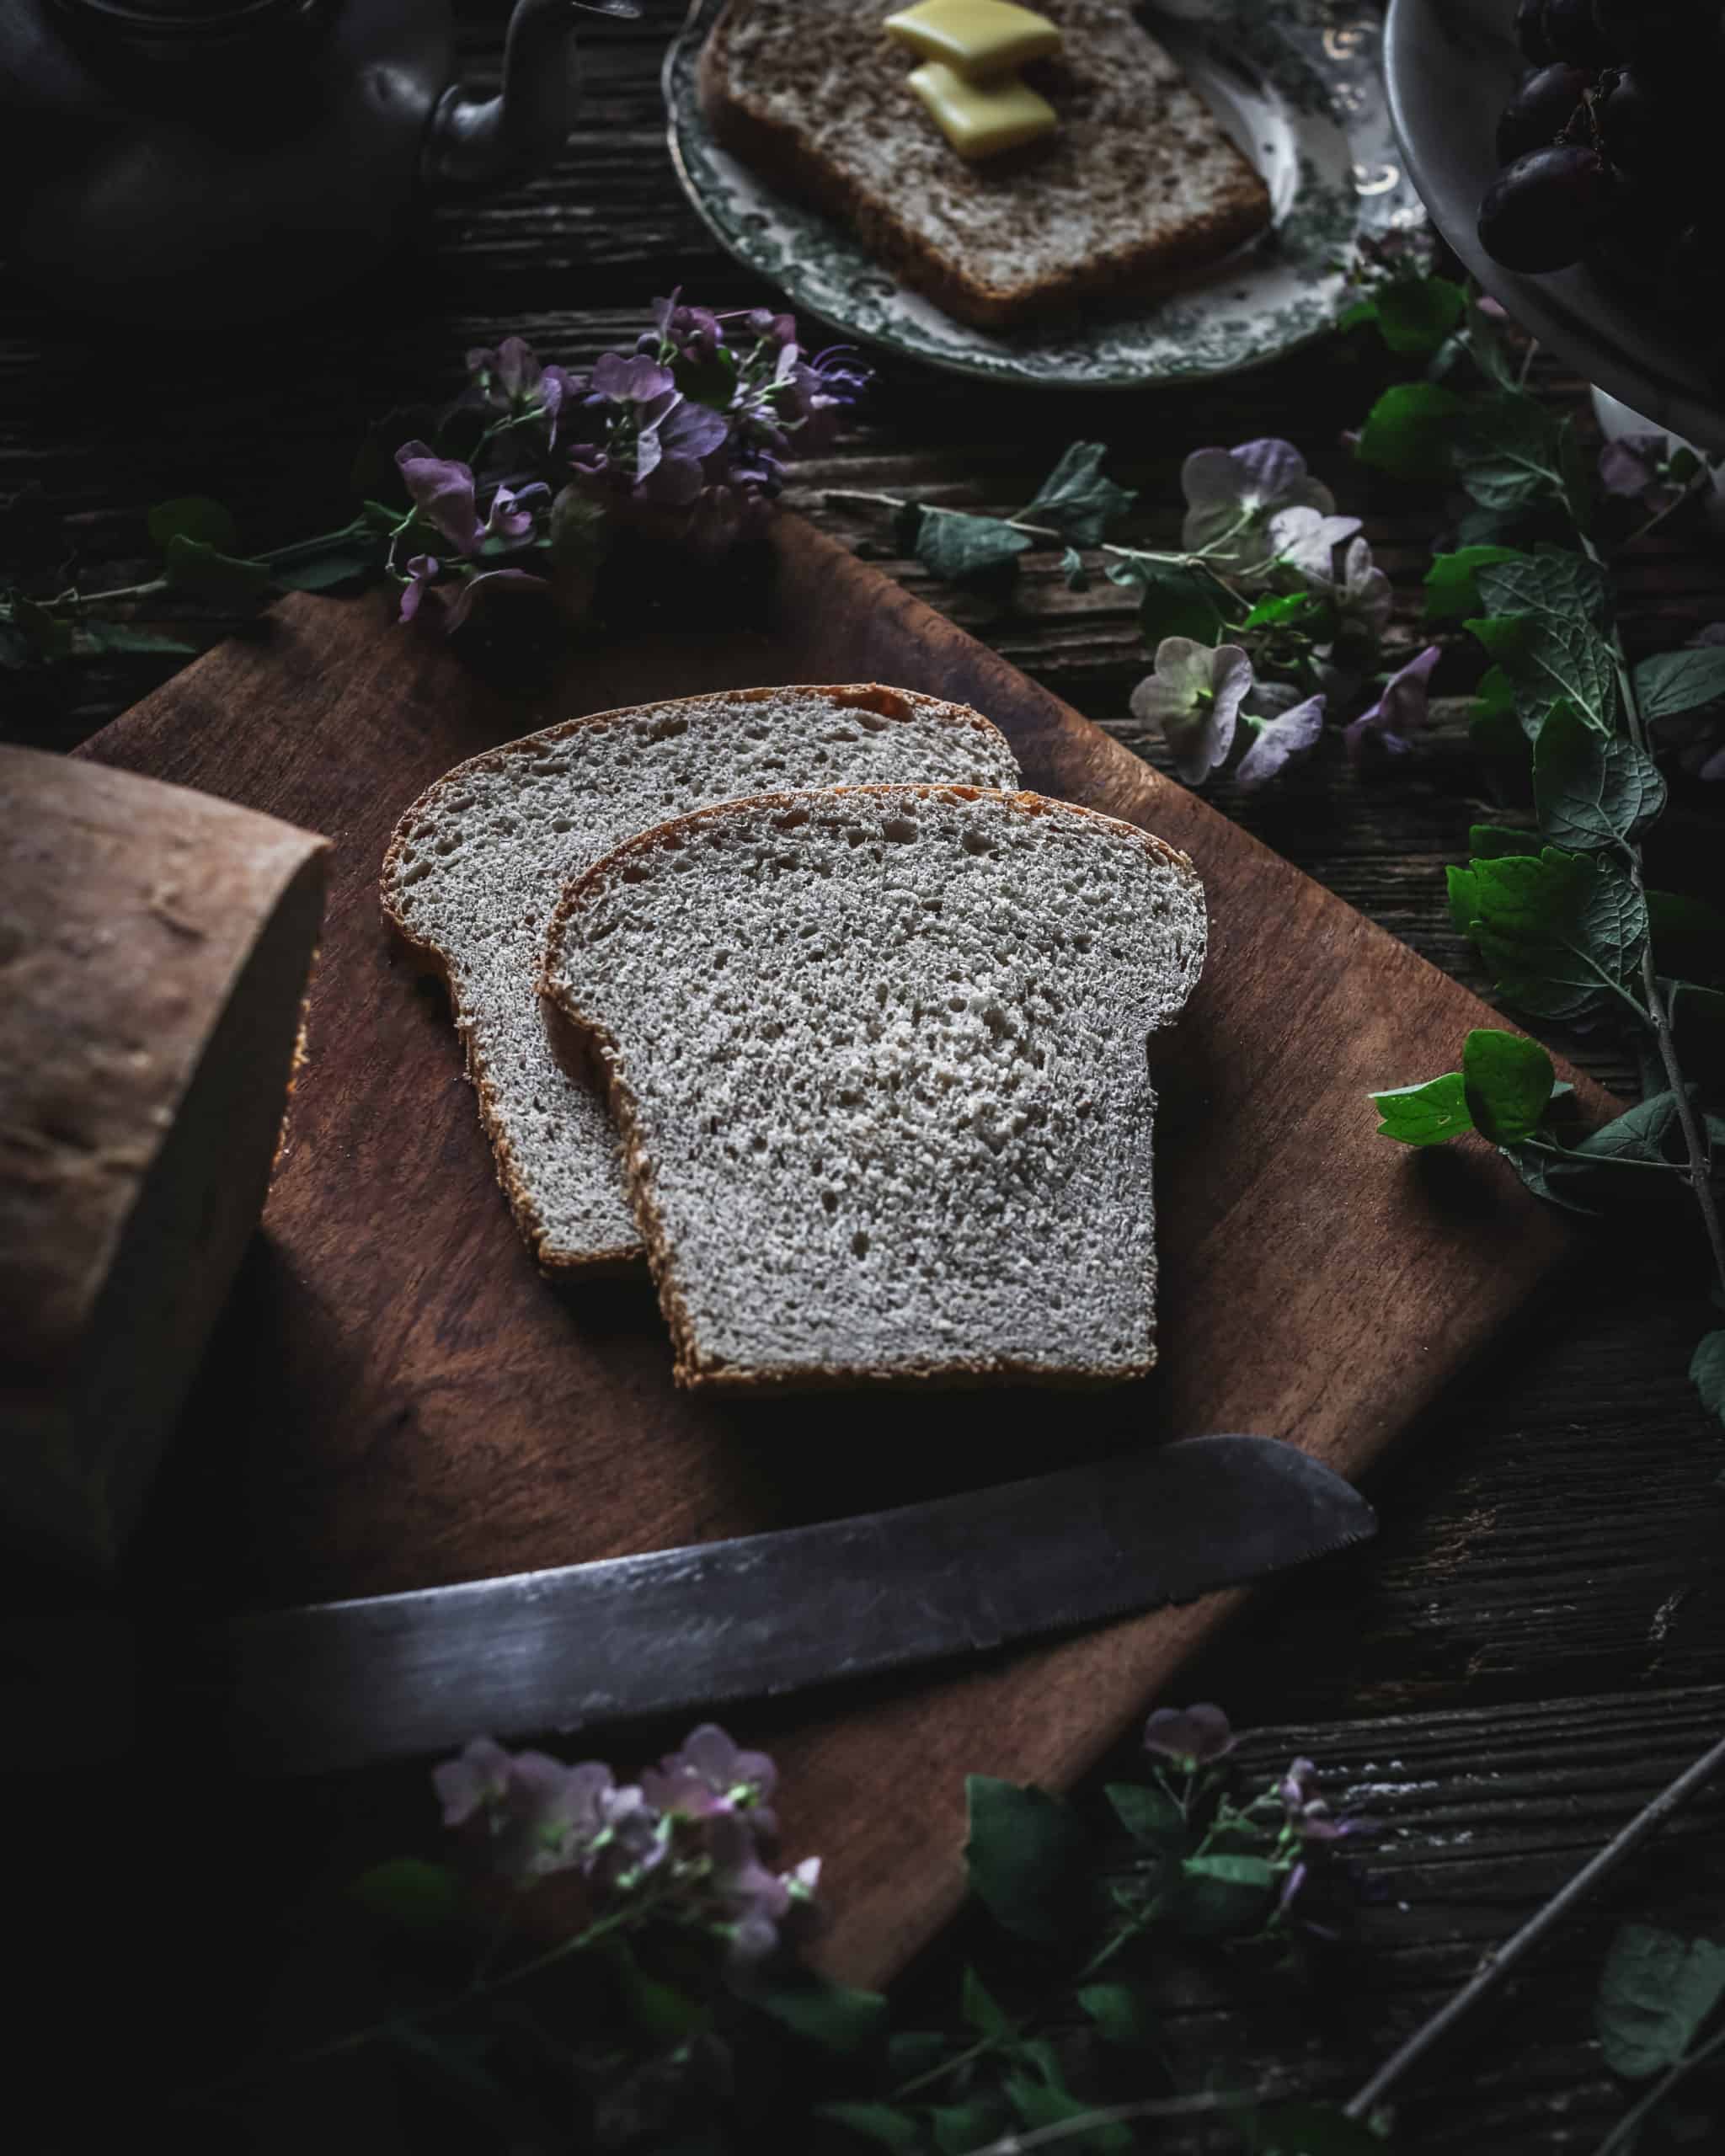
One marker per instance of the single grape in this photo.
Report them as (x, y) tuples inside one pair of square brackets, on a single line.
[(1530, 33), (1647, 127), (1539, 213), (1540, 110)]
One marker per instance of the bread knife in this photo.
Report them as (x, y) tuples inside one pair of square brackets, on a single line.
[(336, 1685)]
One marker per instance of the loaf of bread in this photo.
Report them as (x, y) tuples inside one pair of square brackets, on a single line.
[(154, 948), (478, 861), (1137, 185), (878, 1057)]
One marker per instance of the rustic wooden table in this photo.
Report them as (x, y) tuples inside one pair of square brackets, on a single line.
[(1533, 1646)]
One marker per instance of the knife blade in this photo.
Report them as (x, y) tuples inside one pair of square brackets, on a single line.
[(336, 1685)]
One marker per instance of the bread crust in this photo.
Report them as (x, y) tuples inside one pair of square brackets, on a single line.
[(689, 1369), (782, 156), (555, 1261)]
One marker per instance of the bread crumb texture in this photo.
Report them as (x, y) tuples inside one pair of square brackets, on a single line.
[(880, 1055), (478, 861), (1138, 183)]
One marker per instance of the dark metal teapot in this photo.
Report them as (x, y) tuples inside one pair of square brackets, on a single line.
[(170, 160)]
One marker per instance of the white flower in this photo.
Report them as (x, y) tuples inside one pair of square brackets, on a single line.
[(1195, 697), (1231, 492), (1283, 727)]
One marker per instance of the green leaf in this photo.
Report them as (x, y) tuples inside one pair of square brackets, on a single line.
[(1026, 1855), (1452, 582), (1124, 2012), (1562, 937), (980, 2011), (1226, 1894), (412, 1894), (1411, 431), (1689, 935), (835, 2016), (1076, 499), (1493, 724), (121, 636), (1509, 455), (1592, 791), (1493, 841), (1425, 1115), (192, 566), (664, 2012), (967, 550), (1038, 2105), (1560, 601), (1415, 314), (882, 2124), (194, 516), (1655, 1992), (1708, 1374), (1074, 570), (1680, 680), (1149, 1815), (1509, 1081), (1284, 609), (344, 562), (1649, 1131), (959, 2129), (1174, 601)]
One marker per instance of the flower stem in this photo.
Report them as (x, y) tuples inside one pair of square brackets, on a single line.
[(1622, 2134), (1496, 1963)]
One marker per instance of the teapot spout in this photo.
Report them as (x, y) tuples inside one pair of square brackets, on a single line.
[(480, 141)]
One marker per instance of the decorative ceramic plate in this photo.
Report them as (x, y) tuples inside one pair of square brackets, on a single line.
[(1297, 86), (1451, 65)]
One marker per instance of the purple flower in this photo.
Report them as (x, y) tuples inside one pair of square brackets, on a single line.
[(669, 454), (513, 512), (762, 322), (1283, 728), (1190, 1737), (1307, 1814), (1636, 465), (511, 379), (709, 1775), (1363, 597), (442, 491), (535, 1815), (1195, 697), (1305, 540), (422, 572), (1399, 711), (1231, 494), (694, 330), (639, 382)]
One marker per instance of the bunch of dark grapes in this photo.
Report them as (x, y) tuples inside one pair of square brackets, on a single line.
[(1608, 154)]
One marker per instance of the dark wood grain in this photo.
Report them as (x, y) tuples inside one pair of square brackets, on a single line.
[(418, 1407), (1550, 1569)]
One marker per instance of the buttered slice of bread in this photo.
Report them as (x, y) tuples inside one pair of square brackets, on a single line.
[(878, 1057), (1137, 185), (477, 862)]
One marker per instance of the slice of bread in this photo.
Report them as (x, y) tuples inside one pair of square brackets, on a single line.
[(1138, 184), (477, 863), (878, 1057)]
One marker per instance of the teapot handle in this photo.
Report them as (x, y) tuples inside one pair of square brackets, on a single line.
[(479, 141)]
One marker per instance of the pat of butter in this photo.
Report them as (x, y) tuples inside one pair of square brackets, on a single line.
[(980, 119), (979, 38)]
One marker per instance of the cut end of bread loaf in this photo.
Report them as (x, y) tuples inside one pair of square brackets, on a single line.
[(879, 1055), (1138, 185), (477, 862)]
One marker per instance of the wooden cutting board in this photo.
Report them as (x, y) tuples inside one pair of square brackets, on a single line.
[(396, 1398)]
